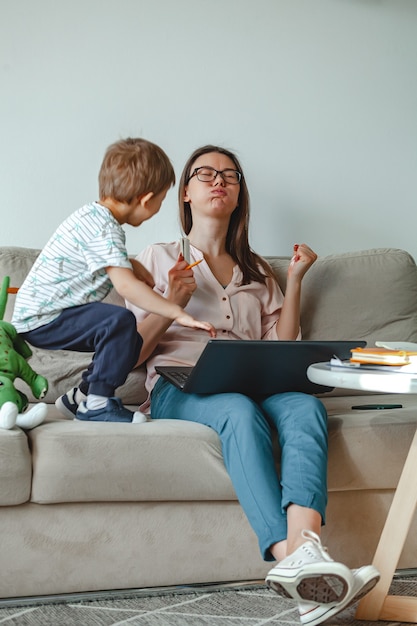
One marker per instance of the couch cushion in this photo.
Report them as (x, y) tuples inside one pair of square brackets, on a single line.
[(105, 462), (76, 461), (15, 467), (367, 449)]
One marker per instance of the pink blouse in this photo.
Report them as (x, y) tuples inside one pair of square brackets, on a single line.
[(237, 312)]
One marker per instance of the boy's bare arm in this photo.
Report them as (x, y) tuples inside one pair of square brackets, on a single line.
[(181, 286), (142, 273), (141, 295)]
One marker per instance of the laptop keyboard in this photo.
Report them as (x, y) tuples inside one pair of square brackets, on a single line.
[(180, 377)]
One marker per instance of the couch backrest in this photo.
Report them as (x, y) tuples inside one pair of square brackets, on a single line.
[(370, 294), (16, 263)]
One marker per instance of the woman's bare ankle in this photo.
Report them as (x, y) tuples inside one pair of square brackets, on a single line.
[(279, 550)]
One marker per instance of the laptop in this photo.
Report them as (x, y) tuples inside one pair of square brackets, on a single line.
[(256, 368)]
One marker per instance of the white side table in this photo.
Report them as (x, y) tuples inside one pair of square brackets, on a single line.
[(378, 605)]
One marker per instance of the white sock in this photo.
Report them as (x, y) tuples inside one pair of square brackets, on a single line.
[(96, 402), (139, 418)]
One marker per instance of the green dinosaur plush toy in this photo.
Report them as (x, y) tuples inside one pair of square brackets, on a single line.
[(14, 353)]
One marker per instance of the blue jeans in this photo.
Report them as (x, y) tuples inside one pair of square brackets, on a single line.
[(105, 329), (244, 427)]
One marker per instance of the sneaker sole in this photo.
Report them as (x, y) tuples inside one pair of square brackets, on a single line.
[(321, 589), (81, 418), (338, 608)]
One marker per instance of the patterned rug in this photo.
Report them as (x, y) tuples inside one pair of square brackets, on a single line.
[(242, 604)]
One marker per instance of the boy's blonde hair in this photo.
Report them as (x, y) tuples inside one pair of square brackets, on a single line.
[(133, 167)]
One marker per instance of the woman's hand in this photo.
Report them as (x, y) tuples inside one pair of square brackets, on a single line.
[(288, 324), (181, 283), (301, 261)]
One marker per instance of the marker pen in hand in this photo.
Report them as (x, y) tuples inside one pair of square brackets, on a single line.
[(193, 264)]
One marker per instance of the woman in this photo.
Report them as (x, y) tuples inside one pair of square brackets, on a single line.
[(238, 293)]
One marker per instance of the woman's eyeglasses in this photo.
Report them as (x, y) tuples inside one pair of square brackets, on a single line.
[(209, 174)]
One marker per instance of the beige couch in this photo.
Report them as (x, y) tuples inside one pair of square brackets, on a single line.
[(112, 506)]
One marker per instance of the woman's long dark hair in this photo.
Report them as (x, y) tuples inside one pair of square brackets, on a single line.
[(237, 238)]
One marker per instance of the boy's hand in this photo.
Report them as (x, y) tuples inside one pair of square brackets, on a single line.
[(142, 273), (186, 320)]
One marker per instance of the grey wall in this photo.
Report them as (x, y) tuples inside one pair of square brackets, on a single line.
[(317, 97)]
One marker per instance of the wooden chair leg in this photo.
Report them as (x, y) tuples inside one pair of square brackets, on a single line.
[(378, 605)]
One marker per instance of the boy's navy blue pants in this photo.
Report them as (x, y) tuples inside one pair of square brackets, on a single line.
[(107, 330)]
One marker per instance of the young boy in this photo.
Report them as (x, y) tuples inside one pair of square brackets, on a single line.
[(59, 306)]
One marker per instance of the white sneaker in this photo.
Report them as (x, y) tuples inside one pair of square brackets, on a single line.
[(113, 411), (67, 404), (364, 579), (310, 574)]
